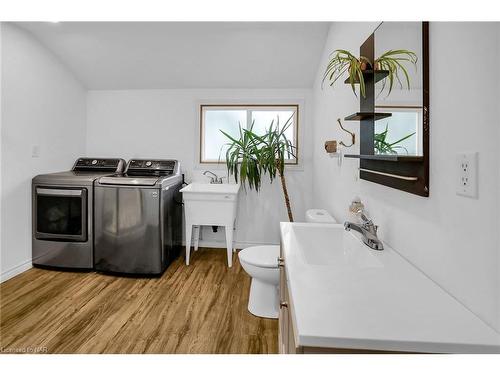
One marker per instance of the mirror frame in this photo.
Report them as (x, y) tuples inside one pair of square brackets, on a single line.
[(407, 173)]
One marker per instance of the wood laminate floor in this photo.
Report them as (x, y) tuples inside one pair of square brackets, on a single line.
[(201, 308)]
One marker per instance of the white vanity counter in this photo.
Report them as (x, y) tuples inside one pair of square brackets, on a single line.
[(345, 295)]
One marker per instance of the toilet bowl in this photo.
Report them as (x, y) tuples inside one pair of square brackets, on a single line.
[(261, 263)]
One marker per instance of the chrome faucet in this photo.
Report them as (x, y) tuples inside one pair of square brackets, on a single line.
[(368, 230), (214, 179)]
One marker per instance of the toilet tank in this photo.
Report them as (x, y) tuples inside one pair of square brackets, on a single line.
[(318, 215)]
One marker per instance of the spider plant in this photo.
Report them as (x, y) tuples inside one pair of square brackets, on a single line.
[(344, 61), (394, 61), (383, 147), (252, 156)]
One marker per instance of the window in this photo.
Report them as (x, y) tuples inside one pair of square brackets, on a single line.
[(228, 118)]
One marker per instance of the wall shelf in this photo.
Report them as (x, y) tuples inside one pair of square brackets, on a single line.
[(407, 158), (358, 116), (379, 75), (408, 173)]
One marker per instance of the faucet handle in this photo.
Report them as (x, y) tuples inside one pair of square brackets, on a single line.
[(362, 215), (367, 222), (214, 179)]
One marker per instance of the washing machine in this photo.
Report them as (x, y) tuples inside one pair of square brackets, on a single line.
[(138, 218)]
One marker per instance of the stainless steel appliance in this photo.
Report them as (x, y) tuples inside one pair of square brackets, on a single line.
[(138, 218), (62, 206)]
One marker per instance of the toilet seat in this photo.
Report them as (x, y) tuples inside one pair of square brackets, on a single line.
[(261, 256)]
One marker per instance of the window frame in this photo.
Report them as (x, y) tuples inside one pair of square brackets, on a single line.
[(248, 107)]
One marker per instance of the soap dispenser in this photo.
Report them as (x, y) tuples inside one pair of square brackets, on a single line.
[(354, 208)]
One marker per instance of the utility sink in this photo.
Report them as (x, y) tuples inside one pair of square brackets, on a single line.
[(210, 204), (210, 191)]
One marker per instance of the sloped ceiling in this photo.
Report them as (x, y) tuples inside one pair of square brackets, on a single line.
[(149, 55)]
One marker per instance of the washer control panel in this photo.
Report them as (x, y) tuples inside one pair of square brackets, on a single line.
[(152, 166)]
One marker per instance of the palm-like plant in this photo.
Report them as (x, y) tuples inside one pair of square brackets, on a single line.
[(383, 147), (344, 61), (252, 156)]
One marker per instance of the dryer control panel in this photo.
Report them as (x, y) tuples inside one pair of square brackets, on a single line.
[(92, 164)]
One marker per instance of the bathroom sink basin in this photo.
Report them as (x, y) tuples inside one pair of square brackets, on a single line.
[(342, 294), (331, 245)]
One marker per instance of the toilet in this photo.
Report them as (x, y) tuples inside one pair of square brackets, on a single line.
[(261, 263)]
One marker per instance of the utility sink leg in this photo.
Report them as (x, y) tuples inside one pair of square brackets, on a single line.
[(189, 230), (229, 244), (196, 230)]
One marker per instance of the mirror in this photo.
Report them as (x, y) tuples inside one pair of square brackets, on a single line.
[(394, 119), (402, 133)]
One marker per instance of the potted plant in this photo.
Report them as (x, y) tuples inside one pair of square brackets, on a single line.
[(343, 62), (392, 62), (252, 156)]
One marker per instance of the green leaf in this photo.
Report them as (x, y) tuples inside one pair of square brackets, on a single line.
[(393, 61)]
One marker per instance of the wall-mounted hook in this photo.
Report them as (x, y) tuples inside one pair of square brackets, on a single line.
[(353, 136)]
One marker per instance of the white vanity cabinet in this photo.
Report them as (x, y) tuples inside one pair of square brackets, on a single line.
[(287, 333)]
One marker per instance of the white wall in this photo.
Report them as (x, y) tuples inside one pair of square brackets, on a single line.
[(165, 123), (452, 239), (42, 105)]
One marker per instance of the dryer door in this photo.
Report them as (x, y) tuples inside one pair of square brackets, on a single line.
[(60, 213)]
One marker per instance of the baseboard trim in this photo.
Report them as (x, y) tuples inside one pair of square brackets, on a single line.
[(16, 270)]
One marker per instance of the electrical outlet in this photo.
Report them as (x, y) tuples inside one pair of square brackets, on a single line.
[(467, 174)]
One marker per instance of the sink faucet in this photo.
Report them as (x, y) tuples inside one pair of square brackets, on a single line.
[(368, 231), (214, 179)]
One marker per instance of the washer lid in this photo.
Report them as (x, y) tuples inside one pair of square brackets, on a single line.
[(74, 178), (261, 256), (132, 181)]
